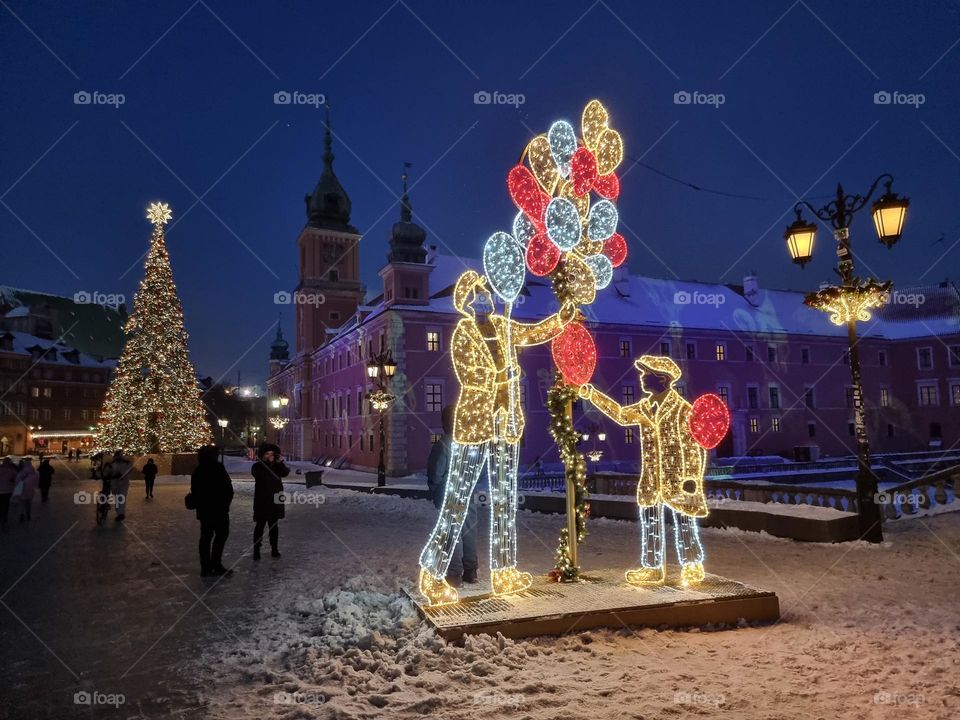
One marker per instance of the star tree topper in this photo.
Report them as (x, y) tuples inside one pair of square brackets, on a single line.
[(159, 213)]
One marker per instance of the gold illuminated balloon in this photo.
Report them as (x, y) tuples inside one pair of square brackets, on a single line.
[(573, 281), (565, 190), (609, 151), (594, 122), (542, 163)]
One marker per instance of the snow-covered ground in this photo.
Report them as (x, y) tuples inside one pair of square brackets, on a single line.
[(326, 632)]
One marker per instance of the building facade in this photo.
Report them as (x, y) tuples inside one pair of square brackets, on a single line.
[(781, 367)]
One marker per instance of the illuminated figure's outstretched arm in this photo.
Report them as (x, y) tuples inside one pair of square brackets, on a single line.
[(620, 414), (543, 331)]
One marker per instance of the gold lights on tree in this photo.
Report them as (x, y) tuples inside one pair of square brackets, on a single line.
[(154, 402)]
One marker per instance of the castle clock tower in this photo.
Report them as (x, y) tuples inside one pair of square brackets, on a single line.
[(329, 289)]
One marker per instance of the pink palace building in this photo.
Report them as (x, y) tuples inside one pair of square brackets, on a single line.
[(781, 367)]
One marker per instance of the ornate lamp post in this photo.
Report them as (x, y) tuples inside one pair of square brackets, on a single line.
[(597, 435), (850, 302), (222, 422), (380, 369)]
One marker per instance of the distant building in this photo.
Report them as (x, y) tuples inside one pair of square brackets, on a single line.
[(50, 394), (781, 367)]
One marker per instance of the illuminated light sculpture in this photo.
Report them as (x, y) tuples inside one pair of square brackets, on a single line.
[(583, 170), (540, 157), (542, 255), (503, 263), (575, 354), (607, 186), (523, 229), (563, 223), (573, 281), (615, 248), (279, 422), (154, 403), (602, 220), (488, 425), (851, 302), (673, 465), (526, 194), (602, 269)]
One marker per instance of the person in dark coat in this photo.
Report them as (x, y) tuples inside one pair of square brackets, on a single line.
[(150, 475), (212, 494), (8, 481), (268, 473), (46, 478)]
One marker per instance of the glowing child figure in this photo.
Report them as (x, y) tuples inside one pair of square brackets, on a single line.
[(673, 464), (488, 425)]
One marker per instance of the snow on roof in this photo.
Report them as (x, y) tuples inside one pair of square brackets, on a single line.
[(24, 344), (18, 312), (636, 300)]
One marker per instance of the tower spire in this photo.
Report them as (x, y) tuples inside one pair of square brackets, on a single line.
[(406, 211), (327, 143)]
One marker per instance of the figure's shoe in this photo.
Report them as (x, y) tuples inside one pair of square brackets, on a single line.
[(646, 576), (692, 574), (437, 592), (506, 581)]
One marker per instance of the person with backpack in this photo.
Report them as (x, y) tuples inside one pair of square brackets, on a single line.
[(211, 494)]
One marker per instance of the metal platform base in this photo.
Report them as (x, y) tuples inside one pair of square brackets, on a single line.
[(601, 599)]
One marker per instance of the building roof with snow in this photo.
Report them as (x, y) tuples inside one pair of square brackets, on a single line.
[(49, 352)]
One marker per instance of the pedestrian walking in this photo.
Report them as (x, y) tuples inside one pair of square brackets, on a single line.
[(212, 493), (268, 473), (149, 476), (45, 471), (26, 487), (8, 481), (463, 562), (119, 477)]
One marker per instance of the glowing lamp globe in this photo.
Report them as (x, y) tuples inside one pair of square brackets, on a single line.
[(889, 214), (800, 236)]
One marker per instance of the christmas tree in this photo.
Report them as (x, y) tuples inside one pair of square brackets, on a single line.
[(154, 404)]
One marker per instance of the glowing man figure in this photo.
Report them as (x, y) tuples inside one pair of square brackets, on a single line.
[(488, 425), (673, 465)]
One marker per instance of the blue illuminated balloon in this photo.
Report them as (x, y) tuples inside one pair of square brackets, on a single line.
[(602, 220), (563, 143), (563, 223), (602, 269), (523, 228), (503, 264)]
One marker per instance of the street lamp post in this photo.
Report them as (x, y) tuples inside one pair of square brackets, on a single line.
[(222, 422), (594, 432), (380, 369), (851, 302)]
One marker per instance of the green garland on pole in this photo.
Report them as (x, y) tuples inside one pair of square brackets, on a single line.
[(575, 469)]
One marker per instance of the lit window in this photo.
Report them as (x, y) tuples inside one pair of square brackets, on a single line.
[(628, 435), (434, 438), (754, 425), (884, 397), (434, 397), (433, 340), (775, 424), (929, 395), (721, 351)]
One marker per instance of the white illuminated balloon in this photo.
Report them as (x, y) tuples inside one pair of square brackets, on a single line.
[(503, 263), (563, 223), (523, 228), (602, 220), (602, 269), (563, 143)]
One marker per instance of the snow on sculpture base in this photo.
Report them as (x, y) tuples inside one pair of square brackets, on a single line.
[(601, 599)]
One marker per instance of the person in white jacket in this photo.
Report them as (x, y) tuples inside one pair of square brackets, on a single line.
[(120, 483), (25, 488)]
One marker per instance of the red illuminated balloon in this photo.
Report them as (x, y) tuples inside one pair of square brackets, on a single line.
[(615, 248), (607, 186), (575, 354), (583, 171), (709, 420), (542, 255), (526, 193)]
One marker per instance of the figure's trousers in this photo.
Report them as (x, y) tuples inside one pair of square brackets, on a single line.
[(686, 536), (467, 462)]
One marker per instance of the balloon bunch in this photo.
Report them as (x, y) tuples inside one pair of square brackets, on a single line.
[(559, 232)]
